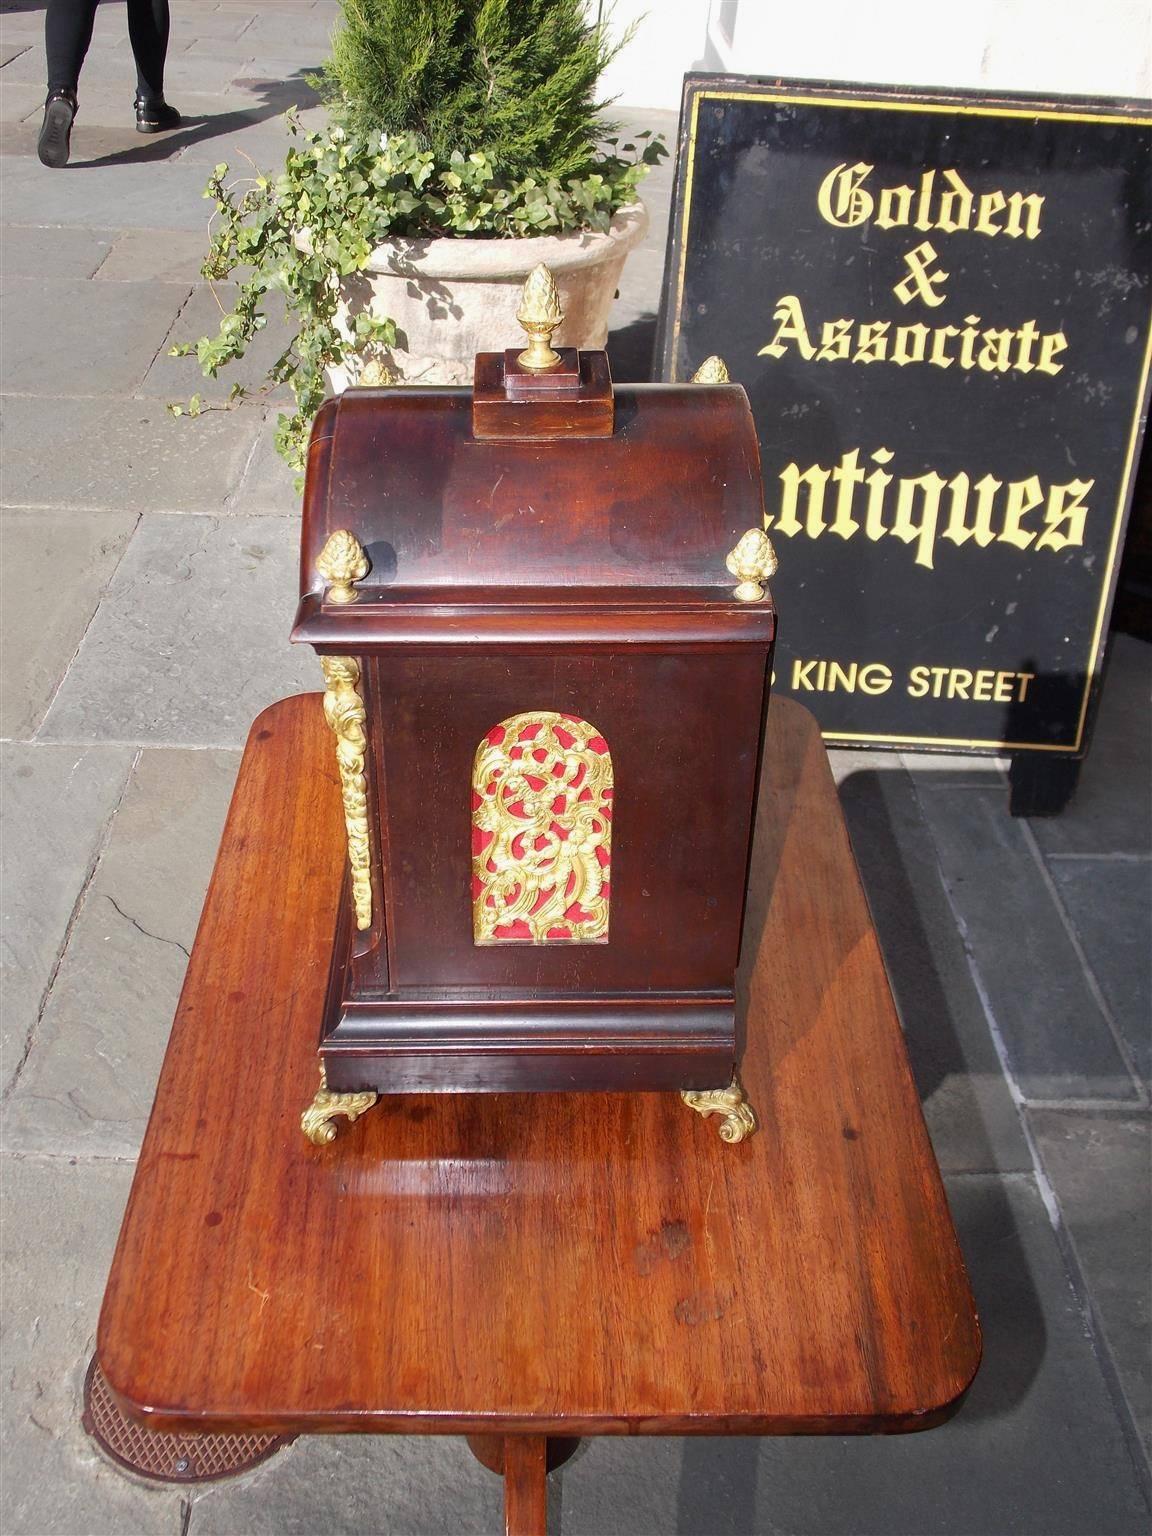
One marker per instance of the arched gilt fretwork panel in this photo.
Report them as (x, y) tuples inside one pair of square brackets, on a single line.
[(541, 832)]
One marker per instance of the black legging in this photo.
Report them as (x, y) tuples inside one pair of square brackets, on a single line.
[(68, 31)]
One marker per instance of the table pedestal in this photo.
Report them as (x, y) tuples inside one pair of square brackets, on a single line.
[(524, 1462)]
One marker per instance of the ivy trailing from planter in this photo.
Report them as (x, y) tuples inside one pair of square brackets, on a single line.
[(341, 193)]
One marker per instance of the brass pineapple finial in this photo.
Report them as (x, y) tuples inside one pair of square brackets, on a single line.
[(539, 314), (713, 370), (753, 561), (342, 561)]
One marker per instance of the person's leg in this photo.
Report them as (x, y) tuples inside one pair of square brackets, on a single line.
[(67, 33), (148, 31)]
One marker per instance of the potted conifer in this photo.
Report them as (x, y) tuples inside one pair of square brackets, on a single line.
[(464, 144)]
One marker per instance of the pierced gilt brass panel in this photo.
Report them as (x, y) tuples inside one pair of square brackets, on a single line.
[(541, 832)]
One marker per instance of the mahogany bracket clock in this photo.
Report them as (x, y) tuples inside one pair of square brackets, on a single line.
[(540, 611)]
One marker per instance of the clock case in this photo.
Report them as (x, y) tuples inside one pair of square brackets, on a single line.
[(558, 545)]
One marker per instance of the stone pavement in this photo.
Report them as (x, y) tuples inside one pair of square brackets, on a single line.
[(148, 589)]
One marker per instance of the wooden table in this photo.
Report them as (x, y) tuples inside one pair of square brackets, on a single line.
[(518, 1267)]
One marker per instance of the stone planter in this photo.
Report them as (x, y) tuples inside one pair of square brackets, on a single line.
[(453, 298)]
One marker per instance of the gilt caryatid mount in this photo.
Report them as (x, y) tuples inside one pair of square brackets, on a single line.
[(541, 795)]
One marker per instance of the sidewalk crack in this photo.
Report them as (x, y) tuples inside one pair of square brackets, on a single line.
[(232, 497), (162, 349), (96, 607), (127, 916), (73, 919)]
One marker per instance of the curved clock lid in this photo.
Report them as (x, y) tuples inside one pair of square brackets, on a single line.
[(656, 505)]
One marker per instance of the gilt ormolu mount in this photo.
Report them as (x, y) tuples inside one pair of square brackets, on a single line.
[(548, 697)]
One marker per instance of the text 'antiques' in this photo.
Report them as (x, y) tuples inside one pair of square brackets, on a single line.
[(853, 496)]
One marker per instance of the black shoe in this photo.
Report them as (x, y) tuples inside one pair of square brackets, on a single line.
[(155, 115), (55, 141)]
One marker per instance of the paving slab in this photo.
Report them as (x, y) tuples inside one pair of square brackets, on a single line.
[(110, 28), (87, 1086), (31, 67), (175, 378), (17, 100), (846, 761), (290, 66), (289, 8), (260, 133), (58, 342), (276, 85), (203, 22), (161, 255), (92, 145), (191, 640), (1110, 904), (145, 195), (54, 255), (60, 1224), (640, 282), (110, 106), (1112, 810), (1098, 1164), (276, 36), (130, 455), (973, 1122), (58, 802), (1059, 1043), (956, 768), (205, 70), (54, 567), (346, 1485), (268, 486), (22, 23), (105, 133)]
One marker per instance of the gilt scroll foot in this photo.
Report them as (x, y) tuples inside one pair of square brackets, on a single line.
[(739, 1121), (318, 1120)]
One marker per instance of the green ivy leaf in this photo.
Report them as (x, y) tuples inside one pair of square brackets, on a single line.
[(340, 193)]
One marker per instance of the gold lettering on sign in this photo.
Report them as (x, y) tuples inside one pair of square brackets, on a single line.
[(982, 685), (941, 200), (921, 281), (850, 498), (971, 347), (861, 496), (541, 831), (973, 685), (820, 676)]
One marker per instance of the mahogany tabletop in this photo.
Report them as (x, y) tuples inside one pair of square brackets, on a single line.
[(535, 1264)]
